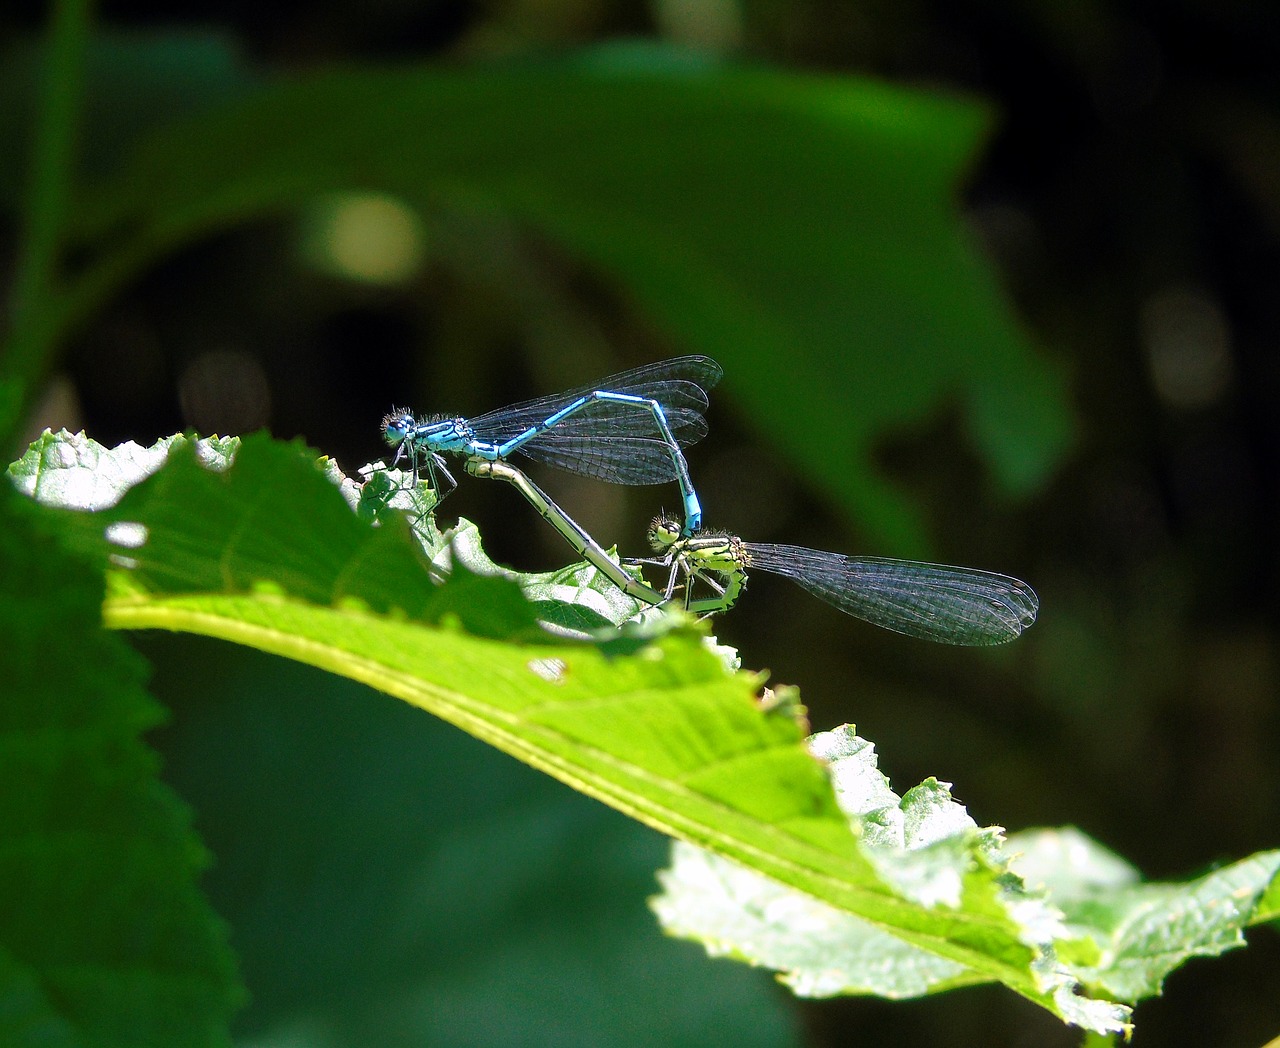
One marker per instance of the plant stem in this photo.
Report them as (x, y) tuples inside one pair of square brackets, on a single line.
[(24, 358)]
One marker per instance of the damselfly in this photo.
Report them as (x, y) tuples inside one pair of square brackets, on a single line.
[(627, 428), (937, 602)]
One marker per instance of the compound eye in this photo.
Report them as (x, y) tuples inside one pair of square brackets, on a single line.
[(662, 533), (397, 426)]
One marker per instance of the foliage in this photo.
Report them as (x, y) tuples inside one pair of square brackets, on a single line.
[(685, 182), (610, 154), (104, 936), (648, 720)]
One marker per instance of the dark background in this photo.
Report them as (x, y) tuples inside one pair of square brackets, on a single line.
[(1130, 199)]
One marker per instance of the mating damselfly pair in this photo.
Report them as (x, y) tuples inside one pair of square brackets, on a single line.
[(631, 428)]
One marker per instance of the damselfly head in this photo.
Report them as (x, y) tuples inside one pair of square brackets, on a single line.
[(397, 425), (663, 532)]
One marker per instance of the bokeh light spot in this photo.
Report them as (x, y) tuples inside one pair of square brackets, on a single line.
[(370, 237)]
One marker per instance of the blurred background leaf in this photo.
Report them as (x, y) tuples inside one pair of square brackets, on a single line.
[(684, 181), (133, 84)]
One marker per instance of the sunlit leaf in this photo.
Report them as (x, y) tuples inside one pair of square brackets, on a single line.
[(648, 719), (928, 849), (1143, 931)]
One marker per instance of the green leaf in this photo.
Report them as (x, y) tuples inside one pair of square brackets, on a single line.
[(1143, 931), (267, 553), (74, 472), (1269, 903), (275, 523), (930, 852), (104, 938), (477, 896), (759, 216), (27, 1017), (1103, 927)]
